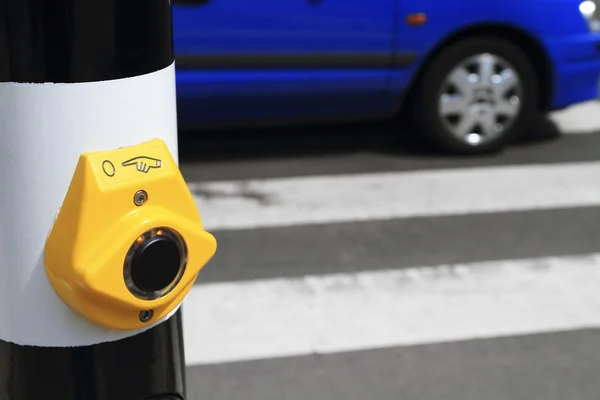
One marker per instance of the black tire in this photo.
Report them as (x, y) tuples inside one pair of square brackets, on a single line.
[(428, 90)]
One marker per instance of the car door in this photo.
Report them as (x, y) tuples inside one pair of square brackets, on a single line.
[(263, 59)]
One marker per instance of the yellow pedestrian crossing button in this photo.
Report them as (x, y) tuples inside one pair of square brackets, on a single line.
[(128, 241)]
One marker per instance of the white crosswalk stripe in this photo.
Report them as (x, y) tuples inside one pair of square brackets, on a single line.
[(343, 312), (580, 119), (328, 199)]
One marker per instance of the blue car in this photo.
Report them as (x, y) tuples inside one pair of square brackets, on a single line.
[(470, 73)]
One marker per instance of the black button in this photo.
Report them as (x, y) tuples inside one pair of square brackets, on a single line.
[(155, 264)]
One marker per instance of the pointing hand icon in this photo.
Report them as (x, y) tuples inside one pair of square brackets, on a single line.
[(143, 163)]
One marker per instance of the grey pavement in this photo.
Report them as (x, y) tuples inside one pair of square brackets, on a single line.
[(549, 366), (556, 366)]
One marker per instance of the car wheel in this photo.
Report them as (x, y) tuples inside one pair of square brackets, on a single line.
[(476, 96)]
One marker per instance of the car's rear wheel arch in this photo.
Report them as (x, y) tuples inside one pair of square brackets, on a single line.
[(528, 43)]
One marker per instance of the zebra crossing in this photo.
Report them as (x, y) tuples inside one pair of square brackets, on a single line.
[(330, 264)]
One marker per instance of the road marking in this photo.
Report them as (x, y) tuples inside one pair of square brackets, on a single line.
[(381, 196), (579, 119), (250, 320)]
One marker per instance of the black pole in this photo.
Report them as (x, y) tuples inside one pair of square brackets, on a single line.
[(150, 365), (77, 41)]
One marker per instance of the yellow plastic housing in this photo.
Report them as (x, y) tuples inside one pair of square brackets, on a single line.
[(99, 221)]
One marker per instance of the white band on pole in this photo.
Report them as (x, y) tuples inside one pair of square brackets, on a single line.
[(43, 130)]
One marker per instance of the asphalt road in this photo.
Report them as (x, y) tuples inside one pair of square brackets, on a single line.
[(353, 265)]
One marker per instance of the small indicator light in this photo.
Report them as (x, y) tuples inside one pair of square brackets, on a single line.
[(416, 19)]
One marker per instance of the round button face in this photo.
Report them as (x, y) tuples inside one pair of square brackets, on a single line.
[(155, 264)]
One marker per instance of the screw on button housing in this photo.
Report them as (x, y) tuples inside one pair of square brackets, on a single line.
[(146, 315), (140, 197), (155, 263)]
